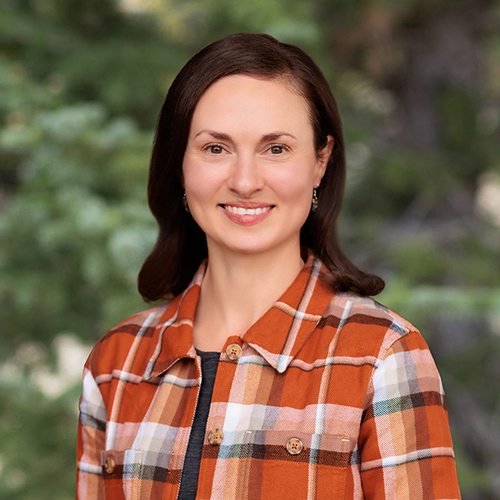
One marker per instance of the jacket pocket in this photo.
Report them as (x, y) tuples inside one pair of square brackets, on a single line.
[(136, 474), (287, 464)]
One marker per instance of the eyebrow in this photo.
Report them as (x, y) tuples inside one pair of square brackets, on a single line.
[(225, 137)]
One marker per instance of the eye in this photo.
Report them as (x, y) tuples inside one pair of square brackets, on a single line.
[(214, 149), (278, 149)]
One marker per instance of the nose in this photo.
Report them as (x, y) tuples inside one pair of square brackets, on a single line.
[(245, 177)]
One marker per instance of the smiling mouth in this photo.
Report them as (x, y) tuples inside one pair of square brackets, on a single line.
[(246, 211)]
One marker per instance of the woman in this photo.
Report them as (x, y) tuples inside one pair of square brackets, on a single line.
[(271, 374)]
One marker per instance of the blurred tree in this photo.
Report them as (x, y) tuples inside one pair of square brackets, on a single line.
[(80, 85)]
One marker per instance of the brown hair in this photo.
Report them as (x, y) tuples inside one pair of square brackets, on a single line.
[(181, 244)]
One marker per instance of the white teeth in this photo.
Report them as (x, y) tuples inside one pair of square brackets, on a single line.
[(246, 211)]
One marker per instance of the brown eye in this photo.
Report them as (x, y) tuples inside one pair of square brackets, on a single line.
[(277, 150), (215, 149)]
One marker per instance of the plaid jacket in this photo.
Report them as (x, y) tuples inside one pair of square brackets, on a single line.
[(326, 396)]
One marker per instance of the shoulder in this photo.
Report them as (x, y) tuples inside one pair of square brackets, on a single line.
[(138, 333), (366, 327)]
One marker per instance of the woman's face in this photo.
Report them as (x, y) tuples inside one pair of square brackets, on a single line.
[(250, 165)]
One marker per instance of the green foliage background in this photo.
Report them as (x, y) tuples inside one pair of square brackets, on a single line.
[(81, 83)]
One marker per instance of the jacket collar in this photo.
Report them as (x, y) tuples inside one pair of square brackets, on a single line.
[(277, 336), (282, 331)]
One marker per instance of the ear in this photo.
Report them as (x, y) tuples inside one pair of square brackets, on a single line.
[(322, 161)]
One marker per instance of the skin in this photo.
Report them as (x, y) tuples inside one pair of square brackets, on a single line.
[(249, 170)]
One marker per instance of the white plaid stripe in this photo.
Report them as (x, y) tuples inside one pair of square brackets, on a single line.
[(407, 458), (299, 315), (112, 426)]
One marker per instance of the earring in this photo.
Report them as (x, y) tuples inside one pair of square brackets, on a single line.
[(314, 202), (185, 203)]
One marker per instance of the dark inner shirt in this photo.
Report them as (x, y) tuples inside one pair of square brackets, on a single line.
[(191, 469)]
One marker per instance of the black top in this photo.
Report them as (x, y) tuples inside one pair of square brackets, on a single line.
[(191, 469)]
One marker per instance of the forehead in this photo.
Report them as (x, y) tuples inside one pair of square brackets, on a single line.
[(240, 99)]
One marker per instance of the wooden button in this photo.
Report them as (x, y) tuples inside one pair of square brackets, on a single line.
[(234, 352), (215, 436), (294, 446), (109, 465)]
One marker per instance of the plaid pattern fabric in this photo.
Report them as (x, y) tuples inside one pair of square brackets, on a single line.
[(333, 396)]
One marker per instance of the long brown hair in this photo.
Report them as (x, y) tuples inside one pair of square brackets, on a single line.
[(181, 244)]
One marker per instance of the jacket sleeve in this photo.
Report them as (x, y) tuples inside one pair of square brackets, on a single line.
[(91, 441), (405, 442)]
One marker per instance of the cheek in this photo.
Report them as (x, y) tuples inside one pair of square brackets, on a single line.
[(301, 196), (198, 182), (296, 185)]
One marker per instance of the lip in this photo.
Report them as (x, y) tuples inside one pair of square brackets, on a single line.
[(259, 212), (247, 204)]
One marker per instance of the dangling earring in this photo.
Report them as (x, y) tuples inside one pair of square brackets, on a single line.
[(314, 202), (185, 203)]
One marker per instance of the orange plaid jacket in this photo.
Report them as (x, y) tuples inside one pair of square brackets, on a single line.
[(325, 396)]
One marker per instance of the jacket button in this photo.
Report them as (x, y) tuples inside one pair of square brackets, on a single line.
[(294, 446), (109, 466), (234, 352), (215, 436)]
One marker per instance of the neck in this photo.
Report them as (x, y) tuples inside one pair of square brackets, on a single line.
[(237, 290)]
